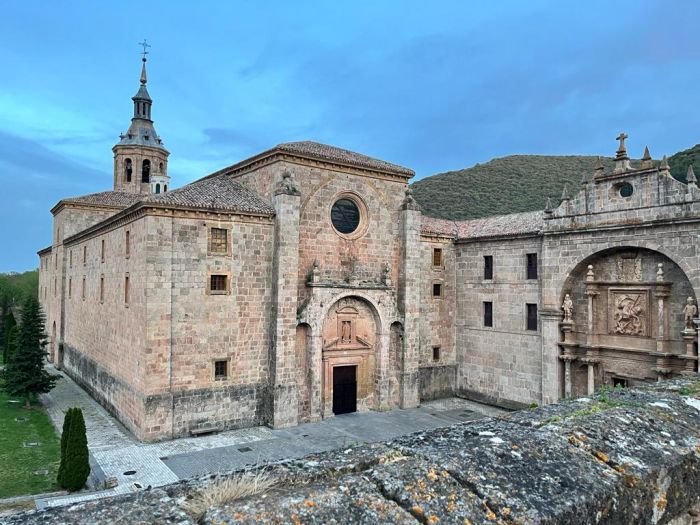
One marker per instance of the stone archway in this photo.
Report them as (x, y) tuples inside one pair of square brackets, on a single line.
[(628, 324), (350, 339)]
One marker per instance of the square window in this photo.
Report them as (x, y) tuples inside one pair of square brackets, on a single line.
[(436, 353), (218, 284), (218, 240), (437, 257), (437, 289), (531, 316), (488, 313), (220, 369), (488, 267), (532, 266)]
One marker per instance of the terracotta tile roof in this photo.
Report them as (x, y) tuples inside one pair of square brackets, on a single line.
[(331, 153), (431, 225), (216, 193), (111, 199), (531, 222), (500, 225)]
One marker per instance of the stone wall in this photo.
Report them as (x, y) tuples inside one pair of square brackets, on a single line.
[(437, 318), (622, 456), (499, 364)]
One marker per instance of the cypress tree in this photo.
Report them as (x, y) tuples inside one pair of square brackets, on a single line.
[(8, 323), (77, 463), (64, 441), (24, 374)]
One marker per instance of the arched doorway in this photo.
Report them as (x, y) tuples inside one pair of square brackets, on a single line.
[(627, 324), (350, 337)]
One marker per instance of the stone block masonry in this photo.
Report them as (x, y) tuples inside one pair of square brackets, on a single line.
[(576, 462)]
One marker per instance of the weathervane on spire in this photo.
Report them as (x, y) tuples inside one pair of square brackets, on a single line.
[(145, 46)]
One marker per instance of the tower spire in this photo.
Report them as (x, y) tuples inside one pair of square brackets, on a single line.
[(145, 46), (141, 160)]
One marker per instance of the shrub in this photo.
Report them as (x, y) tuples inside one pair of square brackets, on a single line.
[(64, 440), (76, 466)]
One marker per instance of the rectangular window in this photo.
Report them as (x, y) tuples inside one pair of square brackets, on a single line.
[(531, 316), (532, 266), (126, 290), (488, 267), (437, 257), (488, 313), (70, 258), (619, 382), (127, 244), (218, 284), (436, 353), (70, 288), (218, 240), (102, 250), (437, 289), (102, 289), (82, 290), (54, 287), (220, 369), (55, 261), (84, 255)]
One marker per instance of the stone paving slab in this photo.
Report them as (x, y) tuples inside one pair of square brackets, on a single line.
[(116, 453)]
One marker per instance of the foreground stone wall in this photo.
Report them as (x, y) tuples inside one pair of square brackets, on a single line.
[(623, 456)]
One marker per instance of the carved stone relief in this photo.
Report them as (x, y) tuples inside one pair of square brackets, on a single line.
[(628, 267), (629, 312)]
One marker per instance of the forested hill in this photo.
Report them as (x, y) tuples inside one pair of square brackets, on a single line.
[(517, 183)]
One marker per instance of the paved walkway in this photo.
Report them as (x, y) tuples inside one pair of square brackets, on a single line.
[(115, 452)]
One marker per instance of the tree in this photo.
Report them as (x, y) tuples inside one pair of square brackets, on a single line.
[(64, 442), (24, 374), (8, 325), (76, 462)]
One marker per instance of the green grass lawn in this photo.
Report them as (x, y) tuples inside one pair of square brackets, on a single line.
[(17, 463)]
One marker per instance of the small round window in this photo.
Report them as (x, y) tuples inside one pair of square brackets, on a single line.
[(345, 216), (625, 189)]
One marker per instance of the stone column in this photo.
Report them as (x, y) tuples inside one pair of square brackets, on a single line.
[(591, 293), (661, 293), (409, 299), (382, 367), (567, 358), (591, 361), (316, 389), (283, 366), (551, 367)]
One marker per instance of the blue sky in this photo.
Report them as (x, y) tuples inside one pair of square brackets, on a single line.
[(433, 86)]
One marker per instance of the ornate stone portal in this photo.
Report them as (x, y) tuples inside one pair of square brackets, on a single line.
[(629, 330), (349, 337)]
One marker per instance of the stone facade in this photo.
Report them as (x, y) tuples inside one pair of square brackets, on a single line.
[(304, 282)]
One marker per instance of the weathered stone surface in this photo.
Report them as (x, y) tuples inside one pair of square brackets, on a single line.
[(623, 456)]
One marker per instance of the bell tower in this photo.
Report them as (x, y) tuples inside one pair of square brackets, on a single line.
[(140, 159)]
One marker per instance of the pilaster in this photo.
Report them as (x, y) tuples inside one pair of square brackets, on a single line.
[(409, 299), (283, 369)]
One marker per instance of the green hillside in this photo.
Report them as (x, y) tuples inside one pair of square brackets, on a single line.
[(517, 183), (16, 287)]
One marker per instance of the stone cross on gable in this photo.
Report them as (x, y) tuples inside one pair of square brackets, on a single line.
[(621, 137)]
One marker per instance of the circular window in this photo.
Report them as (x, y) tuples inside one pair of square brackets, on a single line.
[(345, 216), (625, 189)]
